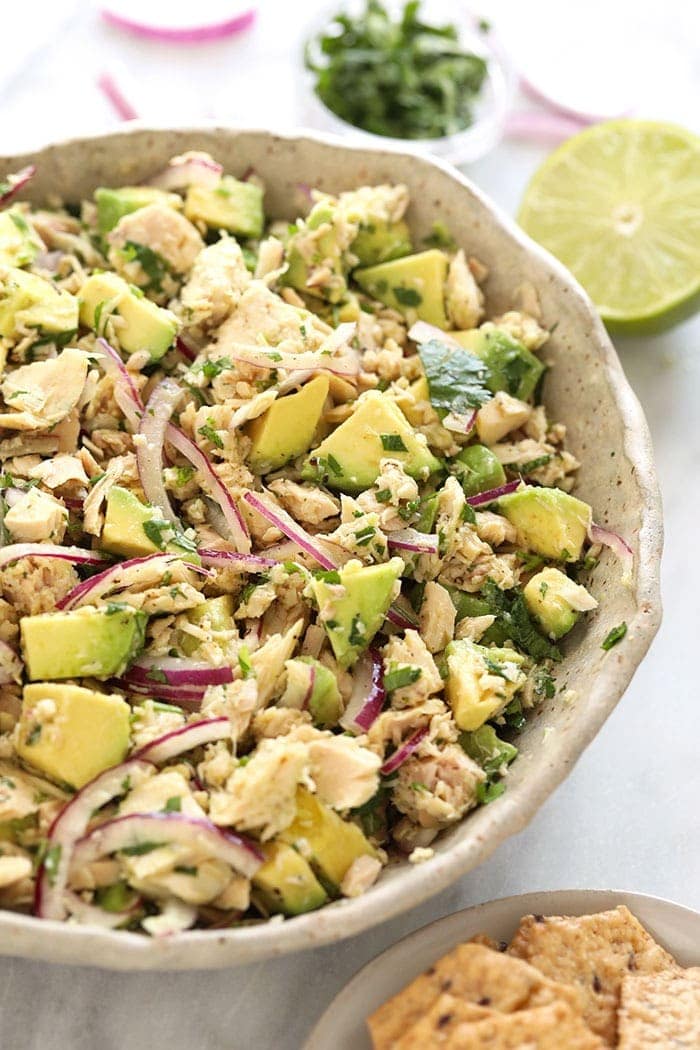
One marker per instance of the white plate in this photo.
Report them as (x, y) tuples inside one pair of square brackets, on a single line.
[(342, 1026)]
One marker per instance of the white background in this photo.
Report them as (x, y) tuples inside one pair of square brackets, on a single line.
[(628, 814)]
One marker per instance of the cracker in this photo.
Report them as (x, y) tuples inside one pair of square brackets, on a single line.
[(660, 1010), (551, 1027), (594, 953), (434, 1027), (475, 974)]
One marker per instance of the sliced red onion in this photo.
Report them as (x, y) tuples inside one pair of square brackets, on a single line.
[(188, 698), (402, 753), (490, 495), (211, 481), (117, 576), (306, 191), (179, 27), (10, 665), (538, 126), (401, 615), (608, 538), (126, 392), (368, 694), (309, 687), (286, 524), (458, 423), (177, 671), (92, 915), (70, 825), (412, 540), (108, 85), (185, 739), (422, 332), (137, 829), (77, 555), (187, 352), (345, 365), (190, 169), (13, 183), (149, 447), (234, 559)]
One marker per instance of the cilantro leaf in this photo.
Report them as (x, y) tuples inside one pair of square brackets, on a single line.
[(615, 636), (513, 617), (457, 380)]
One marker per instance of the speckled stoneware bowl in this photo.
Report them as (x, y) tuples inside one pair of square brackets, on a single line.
[(586, 389)]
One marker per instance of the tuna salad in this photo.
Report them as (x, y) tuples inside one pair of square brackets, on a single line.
[(287, 547)]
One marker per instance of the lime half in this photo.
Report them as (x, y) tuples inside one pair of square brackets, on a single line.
[(619, 204)]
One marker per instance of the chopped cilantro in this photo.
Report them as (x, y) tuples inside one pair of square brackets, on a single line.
[(186, 869), (334, 465), (399, 677), (327, 575), (214, 367), (140, 849), (153, 265), (457, 380), (383, 496), (615, 636), (488, 791), (52, 859), (534, 464), (210, 432), (357, 635), (407, 296), (512, 615), (173, 805), (244, 662), (392, 443)]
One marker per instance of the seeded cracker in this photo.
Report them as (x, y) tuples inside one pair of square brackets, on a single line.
[(593, 952), (436, 1026), (660, 1010), (552, 1027)]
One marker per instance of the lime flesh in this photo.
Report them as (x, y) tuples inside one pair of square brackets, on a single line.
[(619, 205)]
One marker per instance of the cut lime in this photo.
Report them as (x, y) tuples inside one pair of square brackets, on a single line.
[(619, 204)]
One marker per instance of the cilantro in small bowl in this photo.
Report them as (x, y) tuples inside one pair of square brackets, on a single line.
[(418, 73)]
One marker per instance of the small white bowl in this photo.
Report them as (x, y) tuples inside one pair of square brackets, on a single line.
[(490, 107), (342, 1026)]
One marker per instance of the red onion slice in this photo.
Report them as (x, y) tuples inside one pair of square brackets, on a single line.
[(77, 555), (368, 694), (309, 687), (422, 332), (402, 753), (190, 169), (286, 524), (185, 739), (137, 829), (177, 671), (126, 393), (178, 28), (13, 183), (608, 538), (70, 825), (213, 484), (491, 495), (189, 699), (402, 615), (149, 447), (187, 352), (116, 96), (458, 423), (235, 560), (118, 576), (412, 540)]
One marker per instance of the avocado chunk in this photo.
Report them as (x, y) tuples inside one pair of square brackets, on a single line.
[(19, 243), (214, 614), (556, 601), (551, 522), (321, 250), (114, 204), (28, 301), (349, 458), (95, 642), (232, 205), (353, 604), (287, 429), (378, 242), (478, 470), (414, 285), (133, 529), (324, 703), (480, 681), (285, 884), (329, 843), (146, 326), (71, 734), (487, 749), (512, 367)]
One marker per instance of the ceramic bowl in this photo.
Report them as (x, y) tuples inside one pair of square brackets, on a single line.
[(586, 389)]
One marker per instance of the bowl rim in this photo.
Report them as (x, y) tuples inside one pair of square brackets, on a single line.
[(26, 936)]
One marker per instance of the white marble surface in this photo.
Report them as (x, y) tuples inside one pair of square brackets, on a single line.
[(628, 814)]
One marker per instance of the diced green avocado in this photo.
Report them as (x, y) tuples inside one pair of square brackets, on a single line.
[(379, 242), (326, 252), (325, 704), (28, 301), (353, 609), (71, 734), (428, 513), (487, 749), (414, 285), (214, 614), (556, 601), (146, 326), (478, 470), (349, 458), (480, 681), (19, 244), (86, 642), (328, 842), (287, 429), (133, 529), (232, 205), (551, 522), (512, 367), (114, 204), (285, 884)]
